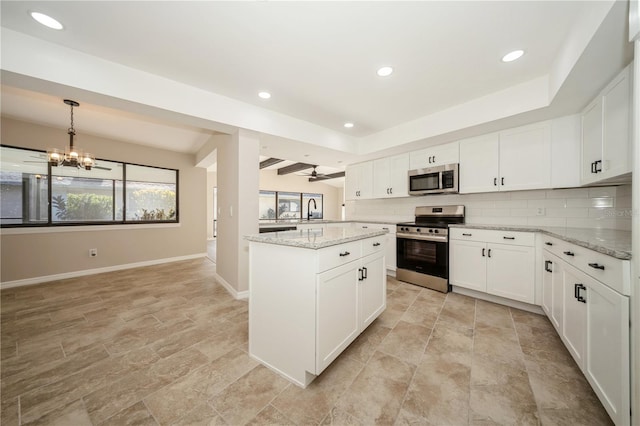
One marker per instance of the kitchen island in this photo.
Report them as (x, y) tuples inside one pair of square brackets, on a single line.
[(311, 293)]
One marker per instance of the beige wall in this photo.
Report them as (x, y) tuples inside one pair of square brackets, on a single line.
[(212, 182), (332, 196), (34, 255)]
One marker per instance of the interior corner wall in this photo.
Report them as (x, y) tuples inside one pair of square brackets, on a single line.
[(237, 177), (331, 195), (32, 256)]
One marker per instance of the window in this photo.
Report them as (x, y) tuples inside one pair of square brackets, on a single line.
[(267, 205), (151, 193), (291, 205), (23, 187), (32, 193), (86, 195)]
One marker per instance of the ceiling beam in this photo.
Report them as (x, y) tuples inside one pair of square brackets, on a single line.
[(327, 177), (296, 167), (269, 162)]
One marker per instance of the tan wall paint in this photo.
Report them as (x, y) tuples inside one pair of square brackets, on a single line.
[(212, 182), (332, 196), (28, 256)]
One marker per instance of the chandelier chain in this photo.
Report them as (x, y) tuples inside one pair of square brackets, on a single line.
[(71, 129)]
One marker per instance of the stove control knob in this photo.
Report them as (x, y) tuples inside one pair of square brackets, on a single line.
[(418, 229), (436, 231), (431, 230)]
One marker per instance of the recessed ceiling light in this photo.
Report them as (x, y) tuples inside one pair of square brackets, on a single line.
[(512, 56), (348, 125), (46, 20), (385, 71), (264, 95)]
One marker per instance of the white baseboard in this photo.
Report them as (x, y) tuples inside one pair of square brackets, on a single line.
[(500, 300), (75, 274), (235, 293)]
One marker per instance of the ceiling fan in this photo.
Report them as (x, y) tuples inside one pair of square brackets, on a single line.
[(315, 175)]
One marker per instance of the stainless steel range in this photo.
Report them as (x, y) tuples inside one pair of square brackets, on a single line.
[(423, 246)]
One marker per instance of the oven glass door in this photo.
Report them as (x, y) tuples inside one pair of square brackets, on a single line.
[(425, 182), (427, 257)]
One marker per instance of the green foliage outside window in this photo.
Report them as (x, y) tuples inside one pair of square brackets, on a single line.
[(83, 207)]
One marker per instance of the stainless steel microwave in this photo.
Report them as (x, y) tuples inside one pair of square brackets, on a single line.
[(434, 180)]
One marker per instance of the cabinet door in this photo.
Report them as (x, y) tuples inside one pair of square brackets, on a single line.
[(390, 178), (574, 317), (390, 251), (547, 282), (337, 316), (525, 158), (434, 156), (351, 182), (365, 180), (479, 164), (557, 294), (373, 289), (399, 177), (591, 140), (468, 264), (616, 135), (359, 181), (381, 178), (511, 271), (607, 353)]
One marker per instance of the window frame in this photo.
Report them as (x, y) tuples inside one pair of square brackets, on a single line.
[(301, 198), (52, 224)]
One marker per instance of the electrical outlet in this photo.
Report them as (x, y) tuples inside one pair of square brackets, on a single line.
[(540, 211), (93, 252)]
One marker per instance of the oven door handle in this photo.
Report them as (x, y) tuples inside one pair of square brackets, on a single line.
[(435, 238)]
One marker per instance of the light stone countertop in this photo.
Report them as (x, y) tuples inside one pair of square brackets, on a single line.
[(276, 223), (315, 238), (611, 242)]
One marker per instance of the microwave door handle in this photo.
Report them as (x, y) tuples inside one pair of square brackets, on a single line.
[(440, 180)]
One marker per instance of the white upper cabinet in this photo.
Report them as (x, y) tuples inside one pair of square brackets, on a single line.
[(479, 161), (565, 151), (434, 156), (606, 133), (390, 178), (359, 181), (525, 157), (514, 159)]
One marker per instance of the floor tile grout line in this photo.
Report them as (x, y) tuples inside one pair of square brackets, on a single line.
[(149, 411), (526, 369)]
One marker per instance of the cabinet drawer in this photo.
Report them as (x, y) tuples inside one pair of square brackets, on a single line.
[(615, 275), (612, 272), (373, 245), (516, 238), (334, 256)]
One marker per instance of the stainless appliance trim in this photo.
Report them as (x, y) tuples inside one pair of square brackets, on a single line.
[(423, 280), (439, 170), (436, 238)]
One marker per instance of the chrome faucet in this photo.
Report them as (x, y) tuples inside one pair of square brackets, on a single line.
[(309, 209)]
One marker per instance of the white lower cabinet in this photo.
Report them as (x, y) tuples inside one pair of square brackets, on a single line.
[(390, 238), (592, 320), (306, 306), (478, 263), (336, 312)]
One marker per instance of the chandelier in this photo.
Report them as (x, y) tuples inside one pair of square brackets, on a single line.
[(71, 156)]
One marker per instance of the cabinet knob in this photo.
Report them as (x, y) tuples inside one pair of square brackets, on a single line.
[(489, 253), (346, 253), (596, 266), (467, 235), (483, 252), (569, 253), (576, 292), (509, 238), (376, 244), (548, 263), (548, 243)]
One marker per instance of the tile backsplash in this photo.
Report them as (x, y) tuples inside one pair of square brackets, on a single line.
[(597, 207)]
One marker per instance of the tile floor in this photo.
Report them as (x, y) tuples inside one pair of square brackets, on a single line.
[(168, 345)]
